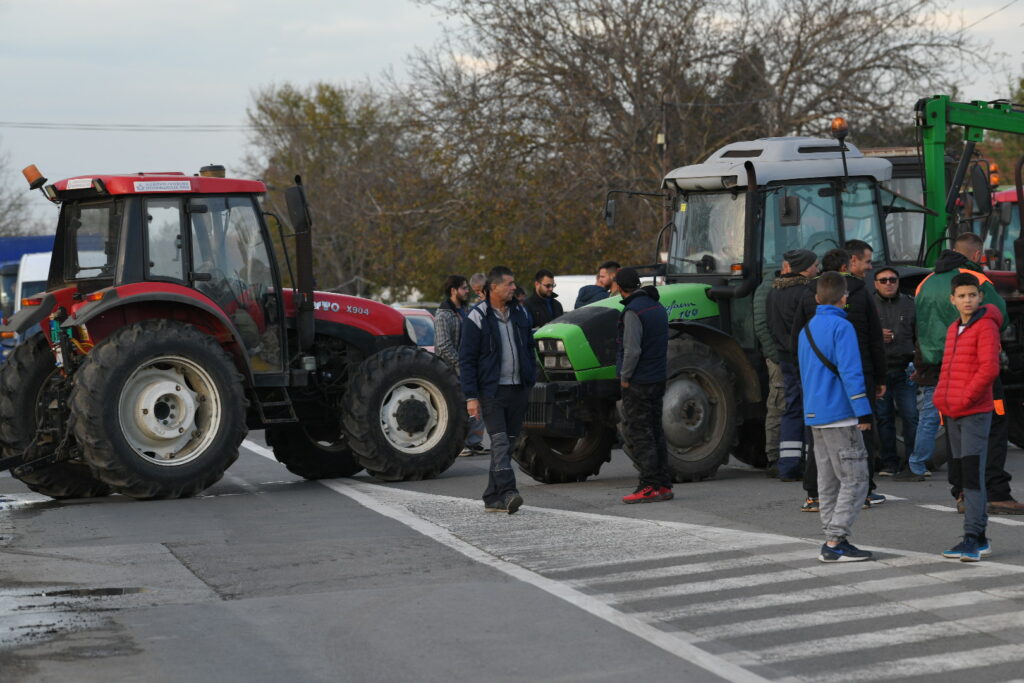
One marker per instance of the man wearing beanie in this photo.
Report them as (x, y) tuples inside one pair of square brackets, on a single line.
[(642, 366), (790, 293)]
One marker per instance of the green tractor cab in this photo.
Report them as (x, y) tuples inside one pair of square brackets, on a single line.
[(733, 218)]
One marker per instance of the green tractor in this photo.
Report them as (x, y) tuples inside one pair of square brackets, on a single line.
[(733, 217)]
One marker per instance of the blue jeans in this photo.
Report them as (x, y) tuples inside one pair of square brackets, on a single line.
[(927, 428), (900, 397), (968, 443)]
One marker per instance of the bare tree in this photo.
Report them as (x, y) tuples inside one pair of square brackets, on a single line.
[(15, 216)]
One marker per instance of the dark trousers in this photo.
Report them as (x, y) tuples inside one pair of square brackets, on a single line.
[(641, 408), (901, 397), (997, 479), (503, 416), (791, 426), (811, 471)]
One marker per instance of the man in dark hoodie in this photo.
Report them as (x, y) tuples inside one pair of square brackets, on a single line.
[(861, 313), (543, 304), (896, 311), (934, 315), (776, 403), (789, 293), (642, 365)]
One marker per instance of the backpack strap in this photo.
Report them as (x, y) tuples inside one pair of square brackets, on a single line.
[(814, 347)]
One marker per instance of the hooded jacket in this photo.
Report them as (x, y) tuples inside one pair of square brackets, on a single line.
[(480, 349), (643, 338), (935, 312), (970, 365), (761, 328), (788, 293), (863, 315), (588, 294), (829, 397), (448, 331)]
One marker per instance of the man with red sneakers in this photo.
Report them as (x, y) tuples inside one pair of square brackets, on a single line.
[(642, 365)]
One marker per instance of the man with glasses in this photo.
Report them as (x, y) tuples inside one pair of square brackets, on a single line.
[(896, 312), (543, 304)]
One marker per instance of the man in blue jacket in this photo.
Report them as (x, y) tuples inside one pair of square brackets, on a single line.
[(837, 409), (497, 369)]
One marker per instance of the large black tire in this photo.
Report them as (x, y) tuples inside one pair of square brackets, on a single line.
[(750, 449), (312, 453), (404, 414), (554, 460), (159, 410), (24, 382), (699, 414)]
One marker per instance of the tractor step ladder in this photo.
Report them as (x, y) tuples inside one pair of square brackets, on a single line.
[(275, 406)]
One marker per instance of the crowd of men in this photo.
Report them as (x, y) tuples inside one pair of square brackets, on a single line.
[(897, 343)]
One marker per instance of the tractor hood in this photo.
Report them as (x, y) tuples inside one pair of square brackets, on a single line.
[(590, 334), (370, 316), (776, 160)]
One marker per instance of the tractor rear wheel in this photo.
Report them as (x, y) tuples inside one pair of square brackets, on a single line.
[(26, 393), (159, 410), (312, 452), (404, 414), (699, 412), (557, 460)]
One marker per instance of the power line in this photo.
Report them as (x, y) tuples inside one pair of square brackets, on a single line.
[(992, 14)]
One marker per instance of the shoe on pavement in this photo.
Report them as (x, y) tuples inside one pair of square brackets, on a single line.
[(979, 547), (772, 472), (810, 505), (873, 500), (844, 552), (475, 449), (666, 493), (1005, 507), (907, 475), (510, 503), (885, 472), (647, 494), (961, 506)]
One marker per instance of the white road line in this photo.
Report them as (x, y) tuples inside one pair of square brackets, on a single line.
[(905, 635), (9, 501), (935, 663), (994, 519), (673, 643), (681, 570)]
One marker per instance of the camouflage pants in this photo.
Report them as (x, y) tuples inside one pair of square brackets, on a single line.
[(776, 405), (641, 408)]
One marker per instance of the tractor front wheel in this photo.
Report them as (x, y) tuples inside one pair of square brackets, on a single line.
[(558, 460), (26, 394), (159, 410), (404, 414)]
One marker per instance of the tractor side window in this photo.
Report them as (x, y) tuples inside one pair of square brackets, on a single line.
[(163, 236), (799, 217), (93, 233), (228, 246)]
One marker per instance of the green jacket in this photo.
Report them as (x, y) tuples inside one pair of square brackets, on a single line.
[(934, 311), (761, 330)]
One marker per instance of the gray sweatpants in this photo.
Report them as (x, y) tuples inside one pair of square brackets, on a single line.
[(968, 441), (842, 478)]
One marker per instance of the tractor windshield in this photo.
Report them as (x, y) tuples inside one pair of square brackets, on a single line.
[(819, 217), (708, 233), (93, 231)]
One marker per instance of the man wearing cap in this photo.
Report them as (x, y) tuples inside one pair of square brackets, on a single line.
[(642, 366), (790, 293)]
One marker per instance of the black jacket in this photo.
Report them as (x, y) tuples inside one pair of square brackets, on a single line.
[(863, 315), (788, 293), (539, 310), (897, 314)]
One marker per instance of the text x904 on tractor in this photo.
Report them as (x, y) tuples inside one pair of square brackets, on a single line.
[(165, 334), (733, 217)]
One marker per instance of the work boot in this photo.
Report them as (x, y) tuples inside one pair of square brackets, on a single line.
[(1005, 507)]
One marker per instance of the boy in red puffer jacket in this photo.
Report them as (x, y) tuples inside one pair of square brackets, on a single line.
[(970, 365)]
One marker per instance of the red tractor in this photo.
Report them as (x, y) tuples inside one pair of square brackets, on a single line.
[(165, 334)]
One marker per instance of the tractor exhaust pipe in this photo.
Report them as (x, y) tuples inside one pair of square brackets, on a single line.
[(302, 224)]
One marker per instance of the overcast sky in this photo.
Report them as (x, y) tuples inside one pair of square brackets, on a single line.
[(139, 62)]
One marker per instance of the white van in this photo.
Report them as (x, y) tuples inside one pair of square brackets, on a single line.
[(568, 288), (32, 276)]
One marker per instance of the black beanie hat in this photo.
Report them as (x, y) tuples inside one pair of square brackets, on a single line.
[(627, 279)]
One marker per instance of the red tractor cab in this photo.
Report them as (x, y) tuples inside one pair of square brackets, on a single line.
[(165, 334)]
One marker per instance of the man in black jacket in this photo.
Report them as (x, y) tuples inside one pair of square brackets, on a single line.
[(788, 294), (543, 304), (896, 313), (861, 313)]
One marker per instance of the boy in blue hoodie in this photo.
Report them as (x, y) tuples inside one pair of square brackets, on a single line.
[(837, 409)]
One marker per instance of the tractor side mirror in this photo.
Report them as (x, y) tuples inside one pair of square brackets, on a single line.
[(298, 209), (609, 213), (1005, 213), (789, 211), (981, 190)]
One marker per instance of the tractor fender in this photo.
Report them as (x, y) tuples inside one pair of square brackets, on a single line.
[(131, 303), (725, 346)]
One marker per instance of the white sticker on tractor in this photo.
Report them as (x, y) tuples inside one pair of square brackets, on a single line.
[(162, 186), (79, 183)]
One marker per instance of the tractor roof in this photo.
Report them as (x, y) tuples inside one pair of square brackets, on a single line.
[(776, 160), (157, 183)]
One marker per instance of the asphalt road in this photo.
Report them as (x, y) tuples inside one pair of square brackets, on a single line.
[(269, 577)]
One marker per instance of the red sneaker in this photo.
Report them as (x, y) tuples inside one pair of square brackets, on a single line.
[(646, 494), (666, 493)]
